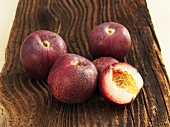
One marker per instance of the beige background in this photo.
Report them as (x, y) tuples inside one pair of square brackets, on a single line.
[(159, 10)]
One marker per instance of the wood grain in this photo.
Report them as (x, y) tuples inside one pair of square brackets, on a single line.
[(27, 102)]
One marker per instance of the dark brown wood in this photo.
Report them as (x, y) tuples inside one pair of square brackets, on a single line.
[(27, 102)]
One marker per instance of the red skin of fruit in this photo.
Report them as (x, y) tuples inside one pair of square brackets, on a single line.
[(103, 62), (37, 59), (72, 79), (111, 92), (115, 45)]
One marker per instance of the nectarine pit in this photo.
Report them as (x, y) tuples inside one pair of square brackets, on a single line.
[(124, 80)]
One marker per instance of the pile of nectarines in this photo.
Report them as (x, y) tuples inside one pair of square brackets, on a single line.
[(72, 78)]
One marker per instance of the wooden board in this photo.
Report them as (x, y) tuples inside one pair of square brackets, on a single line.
[(27, 102)]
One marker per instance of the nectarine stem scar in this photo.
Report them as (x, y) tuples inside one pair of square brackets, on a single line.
[(46, 44), (77, 63), (110, 30)]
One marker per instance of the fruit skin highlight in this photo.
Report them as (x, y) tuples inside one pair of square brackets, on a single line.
[(72, 79), (39, 51), (109, 39), (120, 83)]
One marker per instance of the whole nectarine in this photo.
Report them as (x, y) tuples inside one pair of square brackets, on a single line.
[(39, 51), (72, 79), (109, 39)]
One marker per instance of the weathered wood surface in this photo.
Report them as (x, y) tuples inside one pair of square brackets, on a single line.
[(27, 102)]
